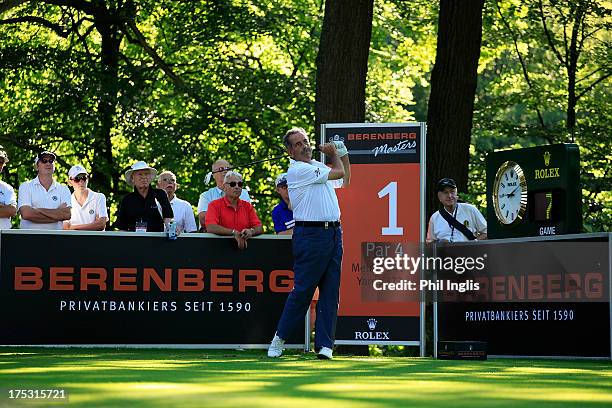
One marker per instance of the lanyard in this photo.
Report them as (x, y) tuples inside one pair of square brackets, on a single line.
[(452, 226)]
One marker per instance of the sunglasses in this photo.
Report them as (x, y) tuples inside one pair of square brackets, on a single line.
[(234, 183), (45, 161), (80, 177)]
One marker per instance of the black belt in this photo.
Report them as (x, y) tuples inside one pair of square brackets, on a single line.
[(320, 224)]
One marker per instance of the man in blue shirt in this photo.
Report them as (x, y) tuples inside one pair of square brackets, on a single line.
[(281, 213)]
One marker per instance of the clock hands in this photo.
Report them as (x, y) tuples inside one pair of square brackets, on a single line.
[(512, 193), (509, 194)]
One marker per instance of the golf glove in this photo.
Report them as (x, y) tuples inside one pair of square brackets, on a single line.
[(340, 148)]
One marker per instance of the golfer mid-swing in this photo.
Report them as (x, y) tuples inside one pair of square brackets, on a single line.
[(317, 240)]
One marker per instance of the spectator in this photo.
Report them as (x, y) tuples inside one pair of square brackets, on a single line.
[(8, 200), (281, 213), (146, 209), (183, 213), (88, 211), (230, 215), (43, 202), (455, 222), (219, 169)]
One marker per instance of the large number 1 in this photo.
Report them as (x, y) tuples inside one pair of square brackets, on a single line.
[(391, 190)]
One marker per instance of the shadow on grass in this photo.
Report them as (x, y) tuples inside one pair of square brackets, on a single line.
[(128, 377)]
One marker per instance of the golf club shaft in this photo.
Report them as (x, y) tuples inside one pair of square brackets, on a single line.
[(250, 164)]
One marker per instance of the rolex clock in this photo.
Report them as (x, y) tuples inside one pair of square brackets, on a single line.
[(510, 193), (534, 191)]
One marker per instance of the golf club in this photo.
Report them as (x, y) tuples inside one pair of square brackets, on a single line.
[(210, 173), (339, 145)]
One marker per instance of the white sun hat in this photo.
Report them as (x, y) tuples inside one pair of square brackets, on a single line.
[(139, 165)]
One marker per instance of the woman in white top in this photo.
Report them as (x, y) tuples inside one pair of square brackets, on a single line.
[(88, 207)]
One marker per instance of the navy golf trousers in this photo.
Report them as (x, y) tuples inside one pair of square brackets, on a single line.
[(317, 255)]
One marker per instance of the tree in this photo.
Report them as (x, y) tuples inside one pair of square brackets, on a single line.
[(342, 62), (453, 86), (545, 79), (178, 84)]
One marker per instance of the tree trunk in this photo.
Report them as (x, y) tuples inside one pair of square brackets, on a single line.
[(342, 67), (342, 62), (451, 102), (572, 65), (105, 176)]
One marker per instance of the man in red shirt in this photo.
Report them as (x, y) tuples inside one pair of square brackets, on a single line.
[(231, 216)]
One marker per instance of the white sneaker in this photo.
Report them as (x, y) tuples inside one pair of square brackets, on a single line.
[(276, 347), (325, 353)]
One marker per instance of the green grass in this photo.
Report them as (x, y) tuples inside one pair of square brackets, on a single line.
[(185, 378)]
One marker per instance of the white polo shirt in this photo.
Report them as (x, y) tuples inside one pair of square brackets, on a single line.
[(7, 197), (94, 206), (312, 196), (33, 194), (183, 215), (466, 214), (214, 194)]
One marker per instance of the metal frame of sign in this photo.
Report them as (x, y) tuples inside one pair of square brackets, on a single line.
[(539, 239), (423, 182), (162, 236)]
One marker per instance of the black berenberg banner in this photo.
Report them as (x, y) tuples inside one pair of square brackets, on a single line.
[(141, 289), (533, 297)]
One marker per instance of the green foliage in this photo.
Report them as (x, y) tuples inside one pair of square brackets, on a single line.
[(402, 53), (200, 80), (393, 351), (523, 91), (246, 74)]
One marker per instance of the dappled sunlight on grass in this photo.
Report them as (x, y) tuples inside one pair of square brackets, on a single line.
[(559, 394), (143, 388), (16, 354), (193, 378), (442, 390), (32, 370), (393, 388), (548, 370)]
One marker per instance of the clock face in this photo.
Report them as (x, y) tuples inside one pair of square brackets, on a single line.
[(510, 193)]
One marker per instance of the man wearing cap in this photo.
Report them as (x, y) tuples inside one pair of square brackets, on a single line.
[(232, 216), (8, 200), (282, 216), (146, 209), (219, 169), (317, 241), (88, 211), (43, 202), (183, 213), (455, 222)]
